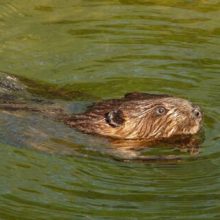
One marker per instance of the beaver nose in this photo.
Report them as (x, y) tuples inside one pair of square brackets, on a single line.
[(196, 112)]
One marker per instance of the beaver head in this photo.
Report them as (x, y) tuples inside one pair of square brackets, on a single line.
[(140, 116)]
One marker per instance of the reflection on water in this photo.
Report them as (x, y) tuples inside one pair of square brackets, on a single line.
[(105, 49)]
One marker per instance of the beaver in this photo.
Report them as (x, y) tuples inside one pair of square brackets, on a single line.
[(135, 118), (140, 116)]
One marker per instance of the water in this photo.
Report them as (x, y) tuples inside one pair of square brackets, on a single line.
[(89, 50)]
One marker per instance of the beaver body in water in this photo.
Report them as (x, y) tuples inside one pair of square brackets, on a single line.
[(140, 116), (135, 118)]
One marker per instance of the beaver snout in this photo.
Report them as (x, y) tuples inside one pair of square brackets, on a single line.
[(197, 114)]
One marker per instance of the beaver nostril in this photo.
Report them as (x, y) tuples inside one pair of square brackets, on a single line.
[(197, 113)]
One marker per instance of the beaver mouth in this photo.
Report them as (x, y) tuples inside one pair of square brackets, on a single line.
[(193, 129), (190, 127)]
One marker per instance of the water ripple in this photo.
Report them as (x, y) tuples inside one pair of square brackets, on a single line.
[(105, 49)]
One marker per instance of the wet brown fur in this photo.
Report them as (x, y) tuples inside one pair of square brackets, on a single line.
[(135, 117)]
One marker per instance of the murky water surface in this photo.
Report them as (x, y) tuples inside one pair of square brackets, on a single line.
[(87, 50)]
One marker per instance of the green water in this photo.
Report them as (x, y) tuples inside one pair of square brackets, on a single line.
[(103, 49)]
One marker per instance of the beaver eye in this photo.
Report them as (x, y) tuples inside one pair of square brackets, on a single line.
[(160, 110)]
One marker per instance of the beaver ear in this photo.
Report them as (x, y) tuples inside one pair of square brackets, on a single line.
[(115, 118)]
